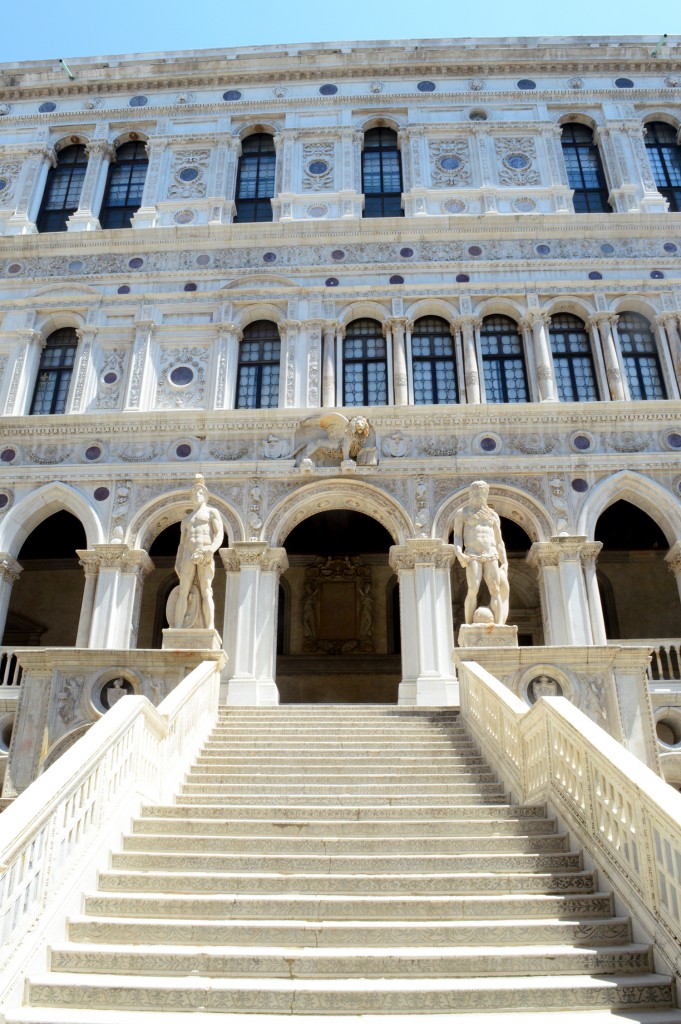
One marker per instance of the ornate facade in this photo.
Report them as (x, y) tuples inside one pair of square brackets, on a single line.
[(473, 245)]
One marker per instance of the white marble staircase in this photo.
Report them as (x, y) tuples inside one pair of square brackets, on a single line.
[(346, 861)]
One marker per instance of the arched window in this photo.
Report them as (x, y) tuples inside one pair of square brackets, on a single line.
[(255, 179), (124, 186), (584, 170), (62, 189), (572, 359), (503, 360), (381, 174), (365, 368), (257, 382), (432, 360), (665, 158), (641, 360), (54, 373)]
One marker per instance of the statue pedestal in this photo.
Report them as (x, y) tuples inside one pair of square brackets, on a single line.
[(487, 634), (191, 640)]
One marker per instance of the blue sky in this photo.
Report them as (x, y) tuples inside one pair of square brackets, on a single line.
[(44, 29)]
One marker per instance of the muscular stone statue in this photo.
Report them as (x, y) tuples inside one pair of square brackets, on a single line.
[(481, 551), (201, 535)]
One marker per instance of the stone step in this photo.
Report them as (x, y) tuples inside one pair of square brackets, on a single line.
[(344, 788), (312, 762), (342, 799), (341, 829), (341, 962), (390, 773), (407, 814), (263, 933), (302, 846), (324, 864), (371, 995), (471, 910)]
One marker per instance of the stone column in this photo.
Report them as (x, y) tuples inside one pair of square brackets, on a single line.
[(605, 324), (538, 322), (329, 365), (224, 181), (662, 332), (121, 573), (423, 569), (563, 589), (99, 154), (9, 574), (562, 196), (397, 328), (83, 385), (468, 325), (24, 373), (147, 215), (485, 162), (139, 376), (292, 371), (89, 561), (313, 397), (229, 337), (543, 557), (250, 628), (38, 160), (673, 560), (590, 553), (670, 323)]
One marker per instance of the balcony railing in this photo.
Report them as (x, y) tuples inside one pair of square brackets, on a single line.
[(665, 661), (10, 670)]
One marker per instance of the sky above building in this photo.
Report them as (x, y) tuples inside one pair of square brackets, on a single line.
[(42, 30)]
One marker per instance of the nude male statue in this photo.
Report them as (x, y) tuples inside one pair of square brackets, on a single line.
[(201, 534), (481, 552)]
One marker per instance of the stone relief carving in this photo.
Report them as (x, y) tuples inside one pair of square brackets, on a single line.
[(137, 453), (121, 509), (396, 446), (254, 514), (229, 451), (48, 454), (9, 174), (593, 700), (559, 505), (628, 441), (516, 157), (337, 618), (109, 391), (190, 395), (188, 171), (543, 686), (439, 446), (450, 162), (67, 698), (276, 447), (318, 166), (422, 517), (480, 550), (534, 444), (345, 439)]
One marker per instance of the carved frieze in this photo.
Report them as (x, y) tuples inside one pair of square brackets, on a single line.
[(450, 162), (188, 174)]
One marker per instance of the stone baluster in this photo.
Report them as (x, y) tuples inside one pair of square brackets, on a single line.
[(229, 338), (100, 154), (329, 365), (119, 583), (589, 554), (397, 326), (538, 322), (24, 371), (250, 627), (468, 325), (423, 568), (9, 574), (140, 375), (38, 160), (605, 325)]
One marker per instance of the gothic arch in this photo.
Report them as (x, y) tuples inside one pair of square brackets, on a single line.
[(30, 511), (324, 495), (162, 512), (508, 502), (641, 491)]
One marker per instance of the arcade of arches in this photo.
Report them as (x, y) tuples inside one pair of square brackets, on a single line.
[(338, 616)]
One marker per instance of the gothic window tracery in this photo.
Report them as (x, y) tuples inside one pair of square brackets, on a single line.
[(381, 174), (572, 359), (255, 179), (54, 373), (433, 365), (503, 360), (124, 186), (257, 384), (62, 189), (365, 373), (584, 170)]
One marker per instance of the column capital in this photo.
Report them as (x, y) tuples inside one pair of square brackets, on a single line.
[(145, 325), (86, 333), (229, 328), (673, 559), (535, 317), (100, 147), (31, 337), (123, 558), (590, 552), (397, 322), (421, 551), (246, 553), (542, 554), (467, 320), (668, 317), (603, 318), (10, 569), (290, 326), (89, 561)]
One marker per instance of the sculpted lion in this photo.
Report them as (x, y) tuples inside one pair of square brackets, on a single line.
[(345, 439)]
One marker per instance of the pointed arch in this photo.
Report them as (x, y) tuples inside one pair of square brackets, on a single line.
[(639, 490), (28, 513), (324, 495)]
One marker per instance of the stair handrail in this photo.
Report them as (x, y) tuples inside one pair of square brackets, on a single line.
[(54, 830), (621, 813)]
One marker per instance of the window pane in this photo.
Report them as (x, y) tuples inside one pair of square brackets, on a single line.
[(54, 374), (433, 367), (62, 189), (364, 364), (641, 360), (381, 174), (503, 360), (258, 371), (572, 360)]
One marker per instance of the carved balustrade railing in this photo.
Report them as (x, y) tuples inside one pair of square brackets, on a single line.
[(53, 834), (10, 671), (665, 658), (620, 811)]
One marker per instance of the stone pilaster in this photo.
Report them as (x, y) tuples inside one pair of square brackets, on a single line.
[(226, 365), (313, 329), (250, 627), (589, 555), (37, 161), (99, 154), (423, 568), (24, 363), (120, 577), (290, 384), (147, 215), (89, 562), (83, 384), (139, 380), (538, 322), (329, 364), (669, 348)]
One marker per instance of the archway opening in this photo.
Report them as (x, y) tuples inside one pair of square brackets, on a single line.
[(525, 608), (44, 609), (338, 642), (639, 595), (159, 584)]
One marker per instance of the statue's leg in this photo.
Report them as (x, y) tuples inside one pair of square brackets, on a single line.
[(493, 581), (186, 580), (205, 580), (473, 577)]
